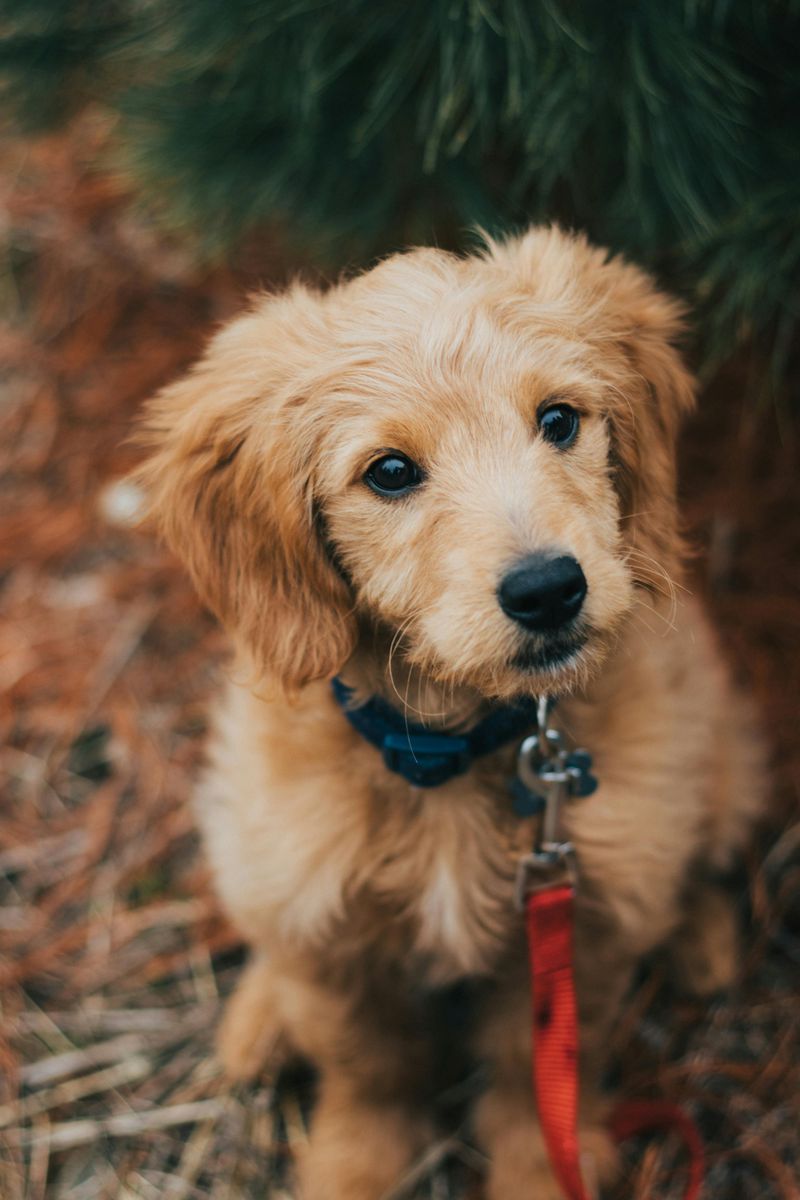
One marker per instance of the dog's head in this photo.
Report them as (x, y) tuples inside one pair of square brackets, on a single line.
[(474, 455)]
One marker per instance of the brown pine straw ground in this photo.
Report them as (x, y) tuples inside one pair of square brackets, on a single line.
[(114, 957)]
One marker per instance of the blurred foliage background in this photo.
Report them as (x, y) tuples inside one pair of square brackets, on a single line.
[(666, 130)]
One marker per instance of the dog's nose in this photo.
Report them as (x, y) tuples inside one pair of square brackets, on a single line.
[(543, 593)]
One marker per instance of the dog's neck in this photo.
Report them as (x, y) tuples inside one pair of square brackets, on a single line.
[(379, 668)]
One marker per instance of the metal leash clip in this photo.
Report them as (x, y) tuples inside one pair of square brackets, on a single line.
[(547, 775)]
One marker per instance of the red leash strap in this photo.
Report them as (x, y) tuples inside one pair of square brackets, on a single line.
[(549, 923)]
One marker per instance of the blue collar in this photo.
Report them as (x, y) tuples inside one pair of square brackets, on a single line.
[(429, 759)]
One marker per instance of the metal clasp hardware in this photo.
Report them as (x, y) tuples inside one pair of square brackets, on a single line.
[(433, 758), (548, 867), (549, 774)]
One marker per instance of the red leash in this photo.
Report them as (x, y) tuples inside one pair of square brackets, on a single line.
[(547, 775), (549, 922), (548, 915), (642, 1116)]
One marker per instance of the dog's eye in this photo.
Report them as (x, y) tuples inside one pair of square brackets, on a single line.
[(393, 475), (559, 425)]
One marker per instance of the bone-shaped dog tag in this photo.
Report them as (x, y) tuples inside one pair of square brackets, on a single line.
[(579, 769)]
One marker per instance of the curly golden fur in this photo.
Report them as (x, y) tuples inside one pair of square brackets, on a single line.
[(361, 895)]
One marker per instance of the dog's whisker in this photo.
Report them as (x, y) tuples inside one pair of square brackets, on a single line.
[(674, 585), (642, 512), (667, 619), (638, 614), (660, 572), (393, 647), (407, 706)]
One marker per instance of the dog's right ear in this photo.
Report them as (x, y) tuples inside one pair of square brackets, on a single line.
[(229, 483)]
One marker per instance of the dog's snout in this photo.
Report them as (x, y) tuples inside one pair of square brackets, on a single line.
[(543, 593)]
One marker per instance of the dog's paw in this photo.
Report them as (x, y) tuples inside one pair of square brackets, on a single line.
[(600, 1158), (601, 1161), (508, 1129), (250, 1032), (705, 950), (520, 1165), (360, 1152), (600, 1167)]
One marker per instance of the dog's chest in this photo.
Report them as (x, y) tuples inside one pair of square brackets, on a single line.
[(313, 843), (446, 871)]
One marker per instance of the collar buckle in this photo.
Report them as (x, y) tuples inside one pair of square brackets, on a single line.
[(429, 759)]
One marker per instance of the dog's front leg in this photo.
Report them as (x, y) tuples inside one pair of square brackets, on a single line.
[(369, 1122), (506, 1122), (361, 1145), (251, 1032)]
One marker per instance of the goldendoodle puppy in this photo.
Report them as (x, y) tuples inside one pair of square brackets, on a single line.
[(450, 483)]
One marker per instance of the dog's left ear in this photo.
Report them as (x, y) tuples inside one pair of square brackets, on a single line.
[(657, 392), (229, 483)]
